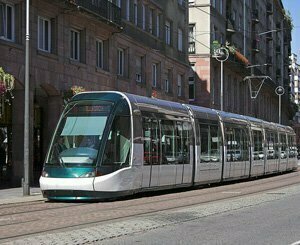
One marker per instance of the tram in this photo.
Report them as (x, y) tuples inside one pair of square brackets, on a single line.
[(112, 144)]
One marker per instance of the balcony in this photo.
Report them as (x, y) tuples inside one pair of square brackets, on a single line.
[(255, 18), (192, 49), (269, 9), (100, 8)]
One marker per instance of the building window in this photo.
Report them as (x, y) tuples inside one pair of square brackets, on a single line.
[(221, 6), (151, 13), (214, 3), (179, 85), (158, 25), (75, 45), (7, 22), (168, 32), (192, 88), (99, 53), (167, 85), (128, 10), (121, 62), (143, 17), (180, 39), (154, 75), (139, 69), (135, 12), (44, 34), (118, 3)]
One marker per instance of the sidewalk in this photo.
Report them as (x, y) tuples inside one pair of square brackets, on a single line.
[(15, 195)]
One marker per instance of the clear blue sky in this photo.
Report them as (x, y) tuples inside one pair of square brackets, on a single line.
[(294, 6)]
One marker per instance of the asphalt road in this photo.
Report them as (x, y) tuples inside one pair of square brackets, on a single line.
[(254, 221)]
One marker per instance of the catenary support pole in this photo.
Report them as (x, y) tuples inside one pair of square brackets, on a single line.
[(222, 92), (26, 189), (279, 112)]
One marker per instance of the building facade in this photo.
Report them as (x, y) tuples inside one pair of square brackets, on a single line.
[(136, 46), (295, 93), (257, 35)]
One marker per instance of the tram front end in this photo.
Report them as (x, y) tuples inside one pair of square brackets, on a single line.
[(90, 149)]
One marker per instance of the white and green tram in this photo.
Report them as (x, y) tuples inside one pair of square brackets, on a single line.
[(112, 144)]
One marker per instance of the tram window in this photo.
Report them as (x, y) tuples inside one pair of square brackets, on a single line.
[(79, 134), (151, 134), (183, 142), (283, 153), (258, 145), (271, 145), (117, 149), (168, 142), (237, 144), (244, 145), (210, 143), (292, 146)]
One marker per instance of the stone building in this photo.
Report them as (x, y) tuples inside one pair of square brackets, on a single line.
[(137, 46), (295, 93), (260, 34)]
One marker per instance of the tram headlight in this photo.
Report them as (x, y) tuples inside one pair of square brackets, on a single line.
[(45, 174), (88, 175)]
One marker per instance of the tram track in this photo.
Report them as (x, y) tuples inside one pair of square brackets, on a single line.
[(140, 198), (124, 209)]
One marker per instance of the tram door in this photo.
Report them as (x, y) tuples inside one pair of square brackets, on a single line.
[(237, 152), (151, 152), (283, 152), (258, 156)]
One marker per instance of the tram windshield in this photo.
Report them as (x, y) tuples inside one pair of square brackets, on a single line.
[(79, 134)]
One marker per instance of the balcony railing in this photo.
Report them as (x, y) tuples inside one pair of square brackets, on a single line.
[(192, 49), (101, 8)]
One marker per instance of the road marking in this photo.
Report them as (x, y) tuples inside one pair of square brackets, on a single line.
[(296, 243)]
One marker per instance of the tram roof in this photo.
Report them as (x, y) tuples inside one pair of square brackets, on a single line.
[(156, 105), (233, 118), (203, 112), (137, 102)]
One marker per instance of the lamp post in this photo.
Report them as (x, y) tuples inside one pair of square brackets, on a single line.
[(221, 54), (279, 91), (25, 182)]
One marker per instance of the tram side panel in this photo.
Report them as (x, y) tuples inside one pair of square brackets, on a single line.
[(120, 159)]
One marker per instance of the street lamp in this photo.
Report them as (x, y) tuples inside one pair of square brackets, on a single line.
[(221, 54), (279, 91)]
